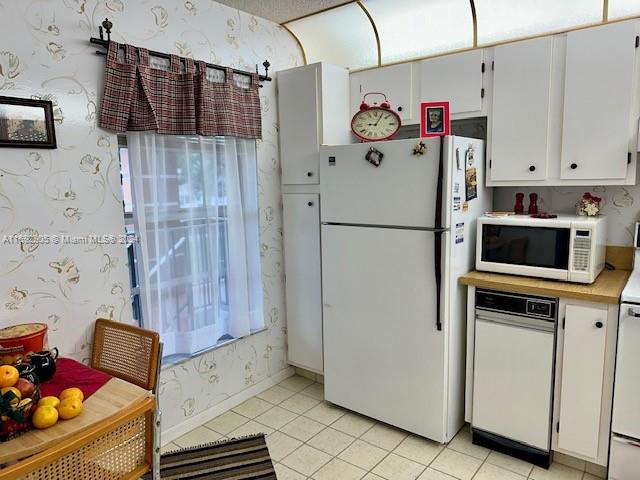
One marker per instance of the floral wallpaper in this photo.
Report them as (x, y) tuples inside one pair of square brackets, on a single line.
[(621, 205), (75, 190)]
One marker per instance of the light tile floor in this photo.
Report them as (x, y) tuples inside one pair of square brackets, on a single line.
[(310, 439)]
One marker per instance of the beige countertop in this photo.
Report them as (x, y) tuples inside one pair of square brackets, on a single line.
[(606, 289)]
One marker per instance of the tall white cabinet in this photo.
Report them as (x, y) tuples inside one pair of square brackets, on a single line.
[(313, 109)]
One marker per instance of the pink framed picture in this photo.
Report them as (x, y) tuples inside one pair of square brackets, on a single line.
[(434, 119)]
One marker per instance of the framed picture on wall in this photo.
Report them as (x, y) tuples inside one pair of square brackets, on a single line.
[(434, 119), (26, 123)]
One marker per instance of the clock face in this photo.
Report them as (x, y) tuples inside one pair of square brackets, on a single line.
[(375, 124)]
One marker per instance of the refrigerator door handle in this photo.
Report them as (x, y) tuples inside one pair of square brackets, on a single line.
[(438, 271), (438, 235)]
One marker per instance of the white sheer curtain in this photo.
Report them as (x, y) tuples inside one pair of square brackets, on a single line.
[(195, 206)]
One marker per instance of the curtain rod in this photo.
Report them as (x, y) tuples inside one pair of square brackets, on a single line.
[(107, 25)]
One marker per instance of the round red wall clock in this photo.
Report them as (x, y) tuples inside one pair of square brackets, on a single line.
[(374, 123)]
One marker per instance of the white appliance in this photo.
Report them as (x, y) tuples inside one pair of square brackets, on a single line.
[(395, 239), (513, 374), (624, 456), (569, 247)]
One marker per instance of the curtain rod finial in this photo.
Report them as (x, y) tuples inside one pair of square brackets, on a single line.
[(108, 25), (266, 66)]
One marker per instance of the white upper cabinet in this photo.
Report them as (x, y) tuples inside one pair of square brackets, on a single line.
[(395, 82), (455, 78), (313, 109), (600, 120), (520, 115), (299, 125)]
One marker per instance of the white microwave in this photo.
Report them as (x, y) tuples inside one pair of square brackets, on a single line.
[(569, 247)]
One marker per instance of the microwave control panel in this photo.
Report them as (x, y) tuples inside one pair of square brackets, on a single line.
[(581, 250)]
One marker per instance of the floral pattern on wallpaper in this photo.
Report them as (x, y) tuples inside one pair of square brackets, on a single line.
[(621, 205), (75, 189)]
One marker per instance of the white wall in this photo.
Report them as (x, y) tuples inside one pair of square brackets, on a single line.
[(75, 189), (620, 204)]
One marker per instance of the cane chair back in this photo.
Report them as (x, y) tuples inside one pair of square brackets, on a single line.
[(127, 352)]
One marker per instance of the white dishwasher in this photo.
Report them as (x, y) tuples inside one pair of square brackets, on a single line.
[(513, 374)]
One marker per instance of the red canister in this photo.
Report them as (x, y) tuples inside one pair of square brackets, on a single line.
[(17, 341)]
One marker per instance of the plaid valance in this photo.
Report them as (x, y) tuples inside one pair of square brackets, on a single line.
[(179, 100)]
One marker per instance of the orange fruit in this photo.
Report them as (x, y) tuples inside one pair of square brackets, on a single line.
[(70, 407), (44, 417), (71, 392), (50, 400), (8, 376), (15, 401)]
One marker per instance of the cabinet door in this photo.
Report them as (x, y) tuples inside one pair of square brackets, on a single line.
[(583, 359), (599, 83), (395, 82), (299, 126), (301, 223), (454, 78), (520, 115)]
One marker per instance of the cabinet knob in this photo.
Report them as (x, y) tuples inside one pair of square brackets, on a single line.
[(399, 109), (309, 174), (599, 325), (532, 168), (573, 166), (310, 204)]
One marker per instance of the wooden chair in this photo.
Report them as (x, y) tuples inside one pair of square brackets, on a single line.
[(127, 352), (132, 354), (123, 447)]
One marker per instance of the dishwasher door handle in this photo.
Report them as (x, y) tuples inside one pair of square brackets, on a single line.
[(520, 322)]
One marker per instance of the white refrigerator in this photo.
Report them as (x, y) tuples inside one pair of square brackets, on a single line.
[(395, 239)]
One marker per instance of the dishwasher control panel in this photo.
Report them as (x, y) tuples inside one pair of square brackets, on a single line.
[(514, 303)]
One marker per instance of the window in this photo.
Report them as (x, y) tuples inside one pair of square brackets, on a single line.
[(193, 205)]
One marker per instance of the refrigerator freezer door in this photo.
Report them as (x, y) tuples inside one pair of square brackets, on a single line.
[(626, 414), (402, 191), (384, 356)]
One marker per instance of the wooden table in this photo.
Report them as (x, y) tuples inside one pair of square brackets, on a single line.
[(119, 413)]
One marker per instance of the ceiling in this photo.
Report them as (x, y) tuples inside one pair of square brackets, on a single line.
[(280, 11)]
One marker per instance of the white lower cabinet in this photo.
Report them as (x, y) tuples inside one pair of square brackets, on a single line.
[(584, 379), (301, 225)]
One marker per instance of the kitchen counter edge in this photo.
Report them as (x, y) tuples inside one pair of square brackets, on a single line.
[(606, 289)]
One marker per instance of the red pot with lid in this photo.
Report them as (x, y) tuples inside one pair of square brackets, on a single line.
[(18, 341)]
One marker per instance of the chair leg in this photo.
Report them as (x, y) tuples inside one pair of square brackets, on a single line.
[(157, 421), (155, 462)]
